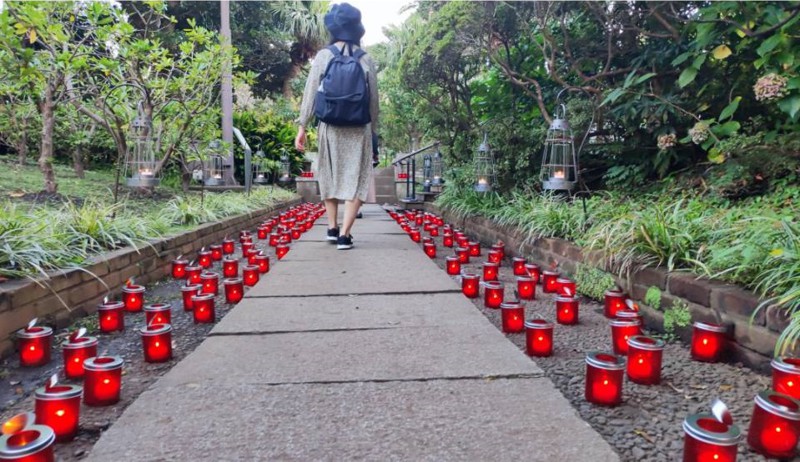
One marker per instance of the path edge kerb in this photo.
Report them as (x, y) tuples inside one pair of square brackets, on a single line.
[(81, 290)]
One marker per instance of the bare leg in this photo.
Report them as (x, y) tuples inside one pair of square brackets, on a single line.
[(332, 209), (350, 211)]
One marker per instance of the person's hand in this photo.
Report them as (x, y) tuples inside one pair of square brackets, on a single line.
[(300, 139)]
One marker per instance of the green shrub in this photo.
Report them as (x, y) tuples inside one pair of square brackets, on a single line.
[(593, 282), (675, 316), (653, 297)]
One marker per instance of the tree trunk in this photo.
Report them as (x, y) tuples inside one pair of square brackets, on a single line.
[(77, 161), (22, 148), (46, 108)]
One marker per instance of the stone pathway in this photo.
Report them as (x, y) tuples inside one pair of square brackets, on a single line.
[(369, 354)]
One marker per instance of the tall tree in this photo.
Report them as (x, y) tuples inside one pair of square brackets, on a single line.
[(304, 20)]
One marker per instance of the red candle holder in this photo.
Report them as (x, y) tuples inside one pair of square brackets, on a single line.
[(210, 283), (644, 359), (434, 231), (490, 271), (262, 261), (234, 290), (538, 338), (263, 232), (204, 259), (512, 317), (474, 249), (533, 271), (103, 380), (111, 317), (203, 311), (179, 268), (430, 249), (470, 285), (604, 373), (614, 301), (462, 241), (518, 266), (708, 341), (33, 443), (621, 331), (274, 239), (419, 220), (628, 315), (250, 275), (158, 313), (550, 282), (786, 376), (415, 235), (463, 255), (453, 266), (774, 425), (251, 256), (133, 297), (526, 288), (447, 241), (246, 246), (286, 238), (281, 250), (187, 292), (193, 274), (566, 287), (494, 256), (230, 267), (296, 233), (157, 342), (500, 247), (245, 236), (228, 246), (34, 345), (706, 439), (75, 351), (59, 408), (216, 252), (567, 310), (493, 292)]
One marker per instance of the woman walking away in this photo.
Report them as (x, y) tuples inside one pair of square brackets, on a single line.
[(342, 93)]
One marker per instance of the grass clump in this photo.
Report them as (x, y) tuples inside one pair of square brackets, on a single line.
[(593, 282)]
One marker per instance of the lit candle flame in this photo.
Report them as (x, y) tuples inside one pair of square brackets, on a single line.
[(52, 382), (18, 423), (32, 323), (105, 300), (558, 174)]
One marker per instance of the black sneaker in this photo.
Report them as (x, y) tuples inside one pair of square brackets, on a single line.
[(359, 215), (333, 234), (344, 243)]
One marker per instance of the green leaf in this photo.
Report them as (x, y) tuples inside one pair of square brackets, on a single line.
[(730, 109), (644, 78), (681, 58), (769, 44), (613, 96), (790, 105), (687, 76), (794, 83), (728, 128), (698, 61), (715, 156), (721, 52)]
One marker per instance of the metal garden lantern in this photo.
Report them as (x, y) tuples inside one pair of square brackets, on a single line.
[(560, 160), (484, 166), (437, 169), (286, 169), (212, 174), (140, 161), (260, 176), (427, 172)]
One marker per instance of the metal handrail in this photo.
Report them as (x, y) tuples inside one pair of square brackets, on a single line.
[(410, 162)]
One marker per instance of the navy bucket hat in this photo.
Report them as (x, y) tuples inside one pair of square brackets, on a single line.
[(344, 22)]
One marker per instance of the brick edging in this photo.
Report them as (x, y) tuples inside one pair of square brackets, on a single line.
[(708, 300), (21, 300)]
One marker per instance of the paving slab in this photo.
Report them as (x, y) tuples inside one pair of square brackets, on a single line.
[(498, 420), (297, 314), (479, 350), (317, 268)]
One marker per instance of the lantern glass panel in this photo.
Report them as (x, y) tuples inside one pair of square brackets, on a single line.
[(559, 161), (214, 166), (286, 169), (140, 161), (437, 169), (260, 173), (484, 166)]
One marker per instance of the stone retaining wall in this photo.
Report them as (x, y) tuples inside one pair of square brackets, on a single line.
[(752, 343), (82, 291)]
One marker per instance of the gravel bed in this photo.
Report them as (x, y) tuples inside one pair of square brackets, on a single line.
[(17, 384), (647, 426)]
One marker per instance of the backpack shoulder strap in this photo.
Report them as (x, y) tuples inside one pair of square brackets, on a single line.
[(335, 50), (357, 54)]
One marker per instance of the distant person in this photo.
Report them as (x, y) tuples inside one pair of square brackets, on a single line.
[(342, 92)]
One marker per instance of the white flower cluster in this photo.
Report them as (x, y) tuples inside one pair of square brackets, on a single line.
[(699, 132), (770, 87), (667, 141)]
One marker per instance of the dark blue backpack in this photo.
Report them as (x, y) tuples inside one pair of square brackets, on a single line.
[(343, 93)]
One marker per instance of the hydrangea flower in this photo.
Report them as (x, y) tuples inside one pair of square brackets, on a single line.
[(699, 132), (667, 141), (770, 87)]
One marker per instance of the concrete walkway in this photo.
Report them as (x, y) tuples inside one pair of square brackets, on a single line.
[(368, 354)]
